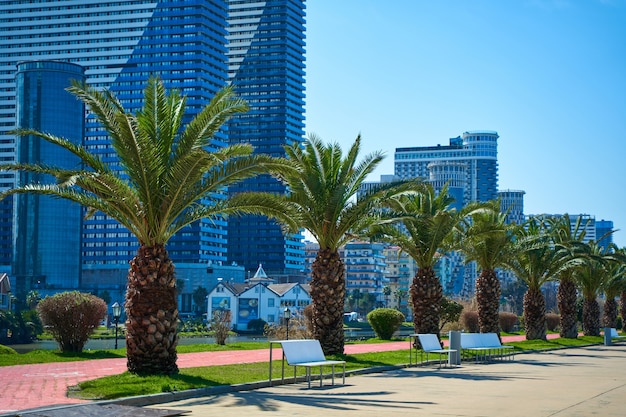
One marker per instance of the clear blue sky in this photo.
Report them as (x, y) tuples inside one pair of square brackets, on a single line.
[(548, 75)]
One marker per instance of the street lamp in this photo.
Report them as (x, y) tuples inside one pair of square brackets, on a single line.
[(117, 313), (287, 317)]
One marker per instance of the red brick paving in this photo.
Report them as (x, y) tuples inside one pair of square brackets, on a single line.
[(32, 386)]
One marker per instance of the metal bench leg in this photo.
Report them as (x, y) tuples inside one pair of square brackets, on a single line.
[(320, 376)]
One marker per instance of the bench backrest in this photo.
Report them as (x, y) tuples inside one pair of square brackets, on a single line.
[(479, 340), (614, 332), (300, 351), (429, 342)]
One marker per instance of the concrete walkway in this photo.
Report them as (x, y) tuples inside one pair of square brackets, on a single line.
[(576, 382), (33, 386)]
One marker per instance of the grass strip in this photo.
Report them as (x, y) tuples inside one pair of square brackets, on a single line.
[(128, 385)]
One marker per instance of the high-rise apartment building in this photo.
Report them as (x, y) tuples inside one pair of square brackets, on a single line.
[(184, 42), (469, 164), (512, 204), (266, 65)]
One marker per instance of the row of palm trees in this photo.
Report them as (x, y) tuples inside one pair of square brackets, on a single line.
[(168, 176)]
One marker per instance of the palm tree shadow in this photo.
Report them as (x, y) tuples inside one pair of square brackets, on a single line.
[(320, 398)]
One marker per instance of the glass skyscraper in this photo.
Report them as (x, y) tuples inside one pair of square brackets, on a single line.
[(47, 230), (266, 65), (186, 43)]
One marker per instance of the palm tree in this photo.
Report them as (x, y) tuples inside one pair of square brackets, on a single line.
[(535, 261), (591, 277), (567, 293), (166, 179), (614, 284), (486, 238), (622, 308), (420, 225), (321, 196)]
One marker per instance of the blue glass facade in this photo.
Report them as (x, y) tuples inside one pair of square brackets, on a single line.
[(120, 44), (266, 65), (46, 250)]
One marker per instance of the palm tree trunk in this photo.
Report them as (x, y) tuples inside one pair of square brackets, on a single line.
[(328, 291), (426, 295), (610, 313), (535, 314), (566, 296), (152, 311), (622, 309), (488, 299), (591, 317)]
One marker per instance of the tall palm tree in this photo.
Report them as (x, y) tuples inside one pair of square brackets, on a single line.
[(486, 238), (591, 277), (322, 193), (420, 224), (615, 283), (166, 179), (536, 261), (564, 235)]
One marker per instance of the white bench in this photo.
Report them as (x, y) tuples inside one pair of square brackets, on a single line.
[(485, 344), (430, 344), (308, 354)]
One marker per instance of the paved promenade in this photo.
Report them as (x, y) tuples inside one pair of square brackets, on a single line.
[(577, 382)]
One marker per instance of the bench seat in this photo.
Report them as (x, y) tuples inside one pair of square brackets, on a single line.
[(308, 354), (484, 345)]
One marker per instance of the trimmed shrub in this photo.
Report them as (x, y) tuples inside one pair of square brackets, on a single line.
[(5, 350), (257, 326), (385, 322), (507, 321), (71, 317), (552, 321), (469, 319)]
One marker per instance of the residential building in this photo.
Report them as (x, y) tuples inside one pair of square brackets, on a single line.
[(470, 161), (258, 298), (400, 271), (365, 269), (512, 203), (266, 66), (46, 245)]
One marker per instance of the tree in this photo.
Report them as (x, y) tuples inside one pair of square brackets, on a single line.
[(322, 192), (567, 293), (387, 293), (486, 238), (450, 312), (590, 277), (614, 284), (166, 177), (72, 317), (535, 260), (420, 224), (199, 299)]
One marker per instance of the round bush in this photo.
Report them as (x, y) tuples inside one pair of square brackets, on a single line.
[(385, 322), (72, 317)]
